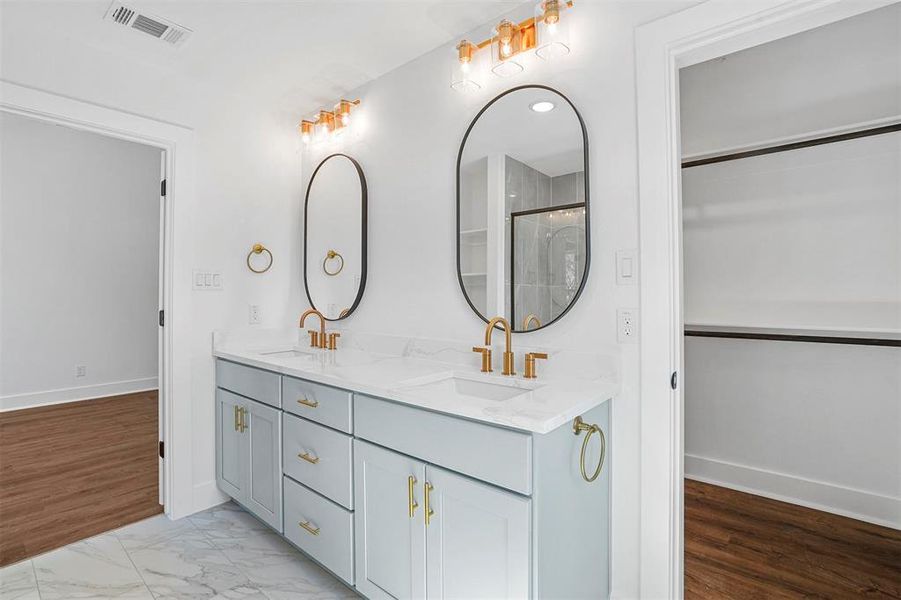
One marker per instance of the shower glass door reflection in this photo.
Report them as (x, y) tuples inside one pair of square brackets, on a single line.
[(547, 262)]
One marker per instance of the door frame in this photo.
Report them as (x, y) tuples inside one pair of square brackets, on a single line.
[(712, 29), (177, 145)]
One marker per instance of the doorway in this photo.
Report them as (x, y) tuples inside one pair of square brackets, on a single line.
[(83, 274), (664, 47)]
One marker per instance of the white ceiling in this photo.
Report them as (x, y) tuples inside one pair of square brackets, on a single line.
[(295, 55)]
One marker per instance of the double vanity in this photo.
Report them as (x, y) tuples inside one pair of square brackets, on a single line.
[(409, 468), (411, 477)]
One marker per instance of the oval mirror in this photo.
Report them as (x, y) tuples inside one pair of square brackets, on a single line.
[(334, 269), (522, 208)]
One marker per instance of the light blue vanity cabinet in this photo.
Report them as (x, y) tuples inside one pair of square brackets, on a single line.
[(248, 452), (521, 522), (403, 502)]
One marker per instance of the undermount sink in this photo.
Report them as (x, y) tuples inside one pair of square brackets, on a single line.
[(471, 386), (287, 353)]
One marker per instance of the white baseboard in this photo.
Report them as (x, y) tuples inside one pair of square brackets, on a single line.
[(88, 392), (207, 495), (819, 495)]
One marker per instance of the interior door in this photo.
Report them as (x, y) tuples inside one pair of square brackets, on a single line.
[(230, 445), (161, 359), (262, 430), (477, 539), (389, 527)]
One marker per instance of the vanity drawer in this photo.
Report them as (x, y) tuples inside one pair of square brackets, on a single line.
[(256, 384), (493, 454), (321, 403), (330, 537), (330, 474)]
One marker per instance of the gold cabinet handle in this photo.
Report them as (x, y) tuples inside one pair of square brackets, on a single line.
[(578, 427), (242, 419), (237, 423), (306, 525), (310, 403), (411, 503), (308, 457), (427, 508)]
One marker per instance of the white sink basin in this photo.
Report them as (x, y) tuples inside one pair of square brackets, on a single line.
[(471, 386), (287, 353)]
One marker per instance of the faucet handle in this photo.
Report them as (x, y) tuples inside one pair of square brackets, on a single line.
[(486, 358), (531, 373), (314, 338), (333, 341)]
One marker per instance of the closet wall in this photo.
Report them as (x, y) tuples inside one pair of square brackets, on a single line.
[(805, 241)]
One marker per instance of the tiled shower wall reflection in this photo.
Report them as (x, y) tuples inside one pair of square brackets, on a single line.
[(550, 246)]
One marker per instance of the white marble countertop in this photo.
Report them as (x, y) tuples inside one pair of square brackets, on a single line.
[(543, 405)]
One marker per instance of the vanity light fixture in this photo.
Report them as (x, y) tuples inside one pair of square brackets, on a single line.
[(542, 106), (547, 33), (327, 123)]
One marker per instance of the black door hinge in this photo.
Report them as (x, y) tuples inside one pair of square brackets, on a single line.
[(162, 318), (674, 380), (162, 449), (163, 187)]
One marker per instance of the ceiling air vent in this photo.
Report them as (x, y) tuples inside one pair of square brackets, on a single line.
[(161, 29)]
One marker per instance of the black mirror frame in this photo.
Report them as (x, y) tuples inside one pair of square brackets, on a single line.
[(364, 200), (587, 204)]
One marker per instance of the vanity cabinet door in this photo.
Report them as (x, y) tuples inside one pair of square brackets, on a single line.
[(477, 539), (264, 463), (230, 445), (390, 531)]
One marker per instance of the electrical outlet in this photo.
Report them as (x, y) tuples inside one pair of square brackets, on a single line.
[(255, 314), (81, 371), (627, 325)]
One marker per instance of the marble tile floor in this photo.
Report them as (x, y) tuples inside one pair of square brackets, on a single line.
[(221, 553)]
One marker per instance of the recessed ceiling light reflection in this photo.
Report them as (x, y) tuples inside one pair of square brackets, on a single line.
[(542, 106)]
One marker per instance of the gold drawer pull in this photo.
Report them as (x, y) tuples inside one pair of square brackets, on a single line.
[(428, 501), (308, 457), (412, 504), (306, 525), (310, 403)]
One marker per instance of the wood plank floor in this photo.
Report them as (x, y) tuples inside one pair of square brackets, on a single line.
[(74, 470), (740, 546)]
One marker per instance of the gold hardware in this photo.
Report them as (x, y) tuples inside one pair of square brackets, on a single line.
[(330, 255), (531, 373), (531, 318), (317, 341), (314, 338), (308, 457), (306, 525), (486, 358), (411, 503), (428, 509), (327, 121), (236, 417), (242, 423), (465, 50), (333, 341), (344, 313), (551, 10), (259, 249), (310, 403), (306, 130), (508, 340), (578, 427)]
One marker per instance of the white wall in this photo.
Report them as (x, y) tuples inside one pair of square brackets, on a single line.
[(414, 124), (79, 249), (248, 189), (806, 239)]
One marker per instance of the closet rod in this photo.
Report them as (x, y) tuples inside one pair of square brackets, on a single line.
[(790, 337), (828, 139)]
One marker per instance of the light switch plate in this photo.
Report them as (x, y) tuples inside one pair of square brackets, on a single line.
[(627, 267), (206, 280)]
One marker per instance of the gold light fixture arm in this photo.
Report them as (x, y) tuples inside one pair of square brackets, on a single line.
[(526, 28)]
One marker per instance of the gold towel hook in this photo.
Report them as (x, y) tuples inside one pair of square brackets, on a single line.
[(578, 427), (259, 249), (332, 254)]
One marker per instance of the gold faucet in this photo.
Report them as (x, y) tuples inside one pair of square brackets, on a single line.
[(530, 318), (508, 338), (317, 338), (531, 372)]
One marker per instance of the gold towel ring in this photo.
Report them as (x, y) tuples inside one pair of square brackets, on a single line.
[(259, 249), (578, 427), (329, 256)]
